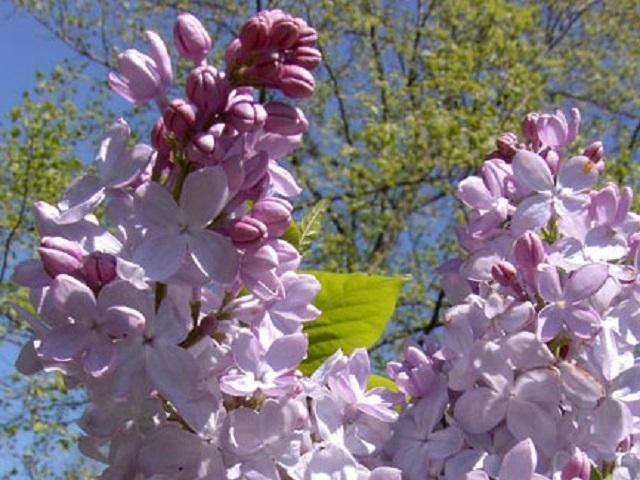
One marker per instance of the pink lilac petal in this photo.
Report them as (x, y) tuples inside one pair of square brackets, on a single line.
[(161, 255), (473, 192), (480, 409), (585, 282), (205, 193), (532, 214), (520, 462), (287, 352), (65, 343), (74, 298), (158, 51), (584, 322), (215, 255), (155, 208), (81, 198), (578, 173), (97, 359), (531, 171)]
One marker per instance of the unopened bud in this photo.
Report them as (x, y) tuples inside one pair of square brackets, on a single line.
[(530, 128), (233, 54), (306, 57), (254, 34), (207, 89), (275, 213), (248, 232), (159, 134), (578, 467), (594, 152), (284, 33), (61, 256), (191, 38), (307, 36), (284, 119), (265, 68), (296, 82), (98, 269), (528, 250), (507, 145), (246, 115), (179, 118), (201, 147), (504, 273)]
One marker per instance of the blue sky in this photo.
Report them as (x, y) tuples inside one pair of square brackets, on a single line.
[(25, 47)]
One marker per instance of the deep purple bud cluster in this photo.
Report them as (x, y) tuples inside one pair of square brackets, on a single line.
[(275, 50)]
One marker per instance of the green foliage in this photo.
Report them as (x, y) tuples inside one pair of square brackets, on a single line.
[(355, 310), (38, 158), (376, 381)]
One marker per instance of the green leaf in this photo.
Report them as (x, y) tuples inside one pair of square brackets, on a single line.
[(292, 235), (376, 381), (310, 225), (355, 310)]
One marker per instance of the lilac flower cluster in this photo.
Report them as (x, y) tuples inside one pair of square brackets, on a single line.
[(534, 375), (180, 311)]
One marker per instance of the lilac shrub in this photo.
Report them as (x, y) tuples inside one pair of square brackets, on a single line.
[(167, 288), (534, 375), (180, 311)]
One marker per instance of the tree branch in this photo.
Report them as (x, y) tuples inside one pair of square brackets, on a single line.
[(21, 214)]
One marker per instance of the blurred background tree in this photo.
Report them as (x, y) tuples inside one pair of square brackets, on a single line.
[(411, 96)]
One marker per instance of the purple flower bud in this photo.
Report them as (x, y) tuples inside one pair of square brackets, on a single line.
[(578, 467), (201, 147), (245, 115), (284, 119), (507, 144), (99, 269), (306, 57), (191, 39), (265, 68), (234, 54), (307, 36), (60, 255), (179, 118), (160, 142), (159, 134), (207, 89), (142, 77), (296, 82), (284, 33), (254, 34), (555, 131), (595, 152), (530, 129), (416, 375), (275, 213), (528, 251), (504, 273), (248, 232)]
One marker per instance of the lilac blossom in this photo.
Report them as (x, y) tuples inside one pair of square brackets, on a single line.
[(566, 304), (562, 196), (177, 231)]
